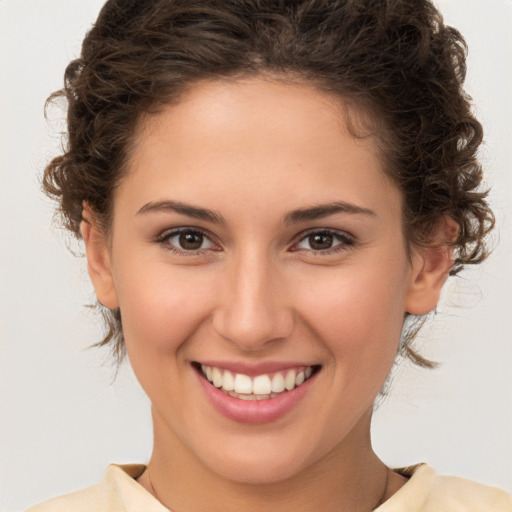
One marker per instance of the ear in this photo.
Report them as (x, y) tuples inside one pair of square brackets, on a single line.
[(430, 268), (98, 260)]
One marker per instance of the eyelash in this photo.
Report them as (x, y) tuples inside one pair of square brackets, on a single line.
[(164, 239), (345, 241)]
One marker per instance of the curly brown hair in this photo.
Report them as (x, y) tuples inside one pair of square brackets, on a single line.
[(394, 59)]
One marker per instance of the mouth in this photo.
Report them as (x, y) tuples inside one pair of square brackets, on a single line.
[(265, 386)]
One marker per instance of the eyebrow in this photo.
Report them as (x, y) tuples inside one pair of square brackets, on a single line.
[(183, 209), (324, 210), (293, 217)]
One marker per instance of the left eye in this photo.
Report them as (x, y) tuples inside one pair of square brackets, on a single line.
[(323, 241), (188, 240)]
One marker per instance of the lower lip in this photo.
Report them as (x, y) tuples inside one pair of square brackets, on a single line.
[(254, 411)]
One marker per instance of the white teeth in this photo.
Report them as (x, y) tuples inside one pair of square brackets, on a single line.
[(248, 397), (229, 381), (289, 380), (262, 385), (278, 383), (243, 384), (217, 377)]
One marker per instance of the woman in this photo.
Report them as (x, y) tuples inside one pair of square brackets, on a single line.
[(266, 194)]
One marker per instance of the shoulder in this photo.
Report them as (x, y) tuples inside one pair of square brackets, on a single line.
[(468, 495), (80, 501), (454, 494), (118, 491), (426, 491)]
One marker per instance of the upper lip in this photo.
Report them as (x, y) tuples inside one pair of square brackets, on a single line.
[(254, 369)]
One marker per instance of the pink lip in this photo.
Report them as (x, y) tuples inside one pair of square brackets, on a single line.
[(254, 411), (254, 369)]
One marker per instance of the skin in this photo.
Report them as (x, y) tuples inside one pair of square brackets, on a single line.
[(252, 151)]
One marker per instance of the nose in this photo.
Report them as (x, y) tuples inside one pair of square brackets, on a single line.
[(252, 308)]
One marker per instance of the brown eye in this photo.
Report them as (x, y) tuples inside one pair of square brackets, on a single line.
[(320, 241), (190, 240), (328, 241), (186, 241)]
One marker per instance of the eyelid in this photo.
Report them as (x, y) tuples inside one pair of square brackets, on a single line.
[(346, 240), (167, 234)]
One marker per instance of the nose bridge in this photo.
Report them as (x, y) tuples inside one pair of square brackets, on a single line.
[(253, 310)]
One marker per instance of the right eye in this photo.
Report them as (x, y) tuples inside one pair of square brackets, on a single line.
[(186, 241)]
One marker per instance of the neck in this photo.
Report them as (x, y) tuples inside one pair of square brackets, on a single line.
[(350, 478)]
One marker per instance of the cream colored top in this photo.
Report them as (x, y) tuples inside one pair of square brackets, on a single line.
[(425, 491)]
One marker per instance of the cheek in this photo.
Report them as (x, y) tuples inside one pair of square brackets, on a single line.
[(162, 308), (358, 313)]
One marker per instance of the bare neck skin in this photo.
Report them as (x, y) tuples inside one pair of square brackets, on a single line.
[(351, 478)]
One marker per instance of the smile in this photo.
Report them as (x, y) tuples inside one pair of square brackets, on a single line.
[(256, 393), (259, 387)]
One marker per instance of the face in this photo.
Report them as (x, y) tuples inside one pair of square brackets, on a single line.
[(257, 244)]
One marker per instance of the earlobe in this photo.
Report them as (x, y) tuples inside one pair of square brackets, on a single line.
[(430, 269), (98, 261)]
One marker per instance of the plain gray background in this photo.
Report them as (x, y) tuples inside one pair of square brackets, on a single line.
[(63, 418)]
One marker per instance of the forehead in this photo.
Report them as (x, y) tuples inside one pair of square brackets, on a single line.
[(253, 138), (296, 106)]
